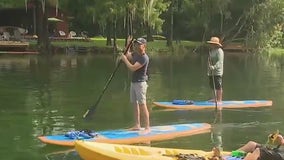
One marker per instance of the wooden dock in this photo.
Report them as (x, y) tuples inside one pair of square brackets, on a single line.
[(19, 52), (15, 47)]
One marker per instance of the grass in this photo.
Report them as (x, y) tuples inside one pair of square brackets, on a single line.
[(100, 42), (277, 51), (155, 46)]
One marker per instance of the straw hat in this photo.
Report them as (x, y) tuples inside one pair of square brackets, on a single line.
[(215, 40)]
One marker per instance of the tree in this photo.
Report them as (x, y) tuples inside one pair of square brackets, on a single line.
[(11, 4), (152, 11), (267, 22)]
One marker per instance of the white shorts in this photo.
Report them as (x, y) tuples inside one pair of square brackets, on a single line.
[(138, 92)]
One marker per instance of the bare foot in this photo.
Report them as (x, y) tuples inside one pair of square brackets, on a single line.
[(135, 128), (145, 131), (216, 154), (219, 107)]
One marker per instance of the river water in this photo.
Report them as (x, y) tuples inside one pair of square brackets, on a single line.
[(49, 95)]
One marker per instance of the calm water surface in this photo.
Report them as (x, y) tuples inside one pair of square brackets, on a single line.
[(43, 96)]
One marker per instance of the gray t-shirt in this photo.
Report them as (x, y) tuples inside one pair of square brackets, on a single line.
[(217, 60), (140, 75)]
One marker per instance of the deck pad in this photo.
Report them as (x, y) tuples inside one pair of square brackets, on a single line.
[(197, 105), (124, 136)]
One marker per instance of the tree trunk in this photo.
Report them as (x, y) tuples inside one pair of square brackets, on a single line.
[(108, 32), (42, 28), (171, 26), (115, 48), (149, 34), (114, 33)]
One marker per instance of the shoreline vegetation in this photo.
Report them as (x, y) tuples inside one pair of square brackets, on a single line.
[(98, 44), (277, 51)]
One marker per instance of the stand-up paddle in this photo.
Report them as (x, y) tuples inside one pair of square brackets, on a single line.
[(92, 108), (213, 81)]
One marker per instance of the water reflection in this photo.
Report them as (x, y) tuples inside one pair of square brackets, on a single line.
[(9, 63), (70, 62), (48, 95), (69, 154), (217, 130)]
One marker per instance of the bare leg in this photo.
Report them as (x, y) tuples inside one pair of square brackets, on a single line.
[(213, 99), (219, 94), (146, 117), (136, 114), (253, 156), (249, 147)]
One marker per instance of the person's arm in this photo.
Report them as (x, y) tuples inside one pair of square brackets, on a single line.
[(279, 140), (129, 55), (131, 67), (209, 62)]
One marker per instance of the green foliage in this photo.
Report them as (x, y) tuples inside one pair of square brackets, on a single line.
[(259, 22), (267, 22), (12, 4), (154, 8), (277, 51)]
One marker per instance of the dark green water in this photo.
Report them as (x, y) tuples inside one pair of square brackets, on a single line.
[(41, 96)]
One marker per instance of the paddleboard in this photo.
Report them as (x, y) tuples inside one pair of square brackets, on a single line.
[(94, 150), (124, 136), (198, 105)]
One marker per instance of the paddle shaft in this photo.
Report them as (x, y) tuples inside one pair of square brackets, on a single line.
[(213, 81), (93, 107), (218, 114)]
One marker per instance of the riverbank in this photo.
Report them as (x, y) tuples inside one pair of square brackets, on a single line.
[(98, 45)]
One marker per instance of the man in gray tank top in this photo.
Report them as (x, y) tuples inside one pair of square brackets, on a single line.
[(137, 62)]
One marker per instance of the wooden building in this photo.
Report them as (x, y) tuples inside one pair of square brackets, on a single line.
[(26, 18)]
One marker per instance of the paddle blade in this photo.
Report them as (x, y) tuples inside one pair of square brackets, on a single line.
[(86, 114), (89, 112)]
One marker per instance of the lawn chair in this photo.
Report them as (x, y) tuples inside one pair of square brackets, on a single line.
[(72, 34), (17, 35), (62, 33), (6, 36)]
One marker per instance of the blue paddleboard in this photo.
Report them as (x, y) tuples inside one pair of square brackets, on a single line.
[(197, 105), (125, 136)]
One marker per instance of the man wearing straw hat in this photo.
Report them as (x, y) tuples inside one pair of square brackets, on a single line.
[(215, 68)]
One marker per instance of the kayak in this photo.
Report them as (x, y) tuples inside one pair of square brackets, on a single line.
[(198, 105), (125, 136), (103, 151)]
